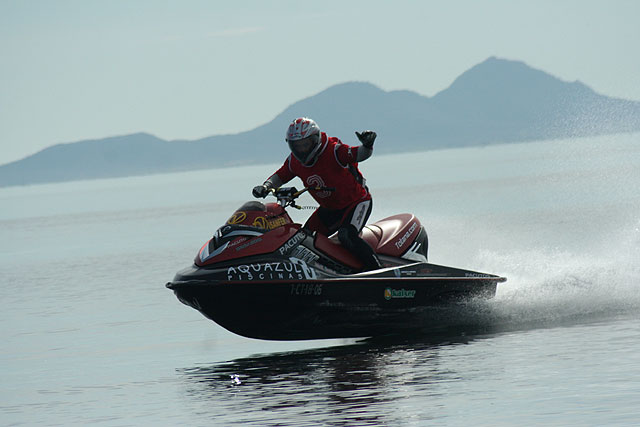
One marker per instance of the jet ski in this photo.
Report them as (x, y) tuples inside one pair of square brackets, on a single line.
[(263, 276)]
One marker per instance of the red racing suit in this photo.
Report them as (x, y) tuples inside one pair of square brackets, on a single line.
[(335, 167)]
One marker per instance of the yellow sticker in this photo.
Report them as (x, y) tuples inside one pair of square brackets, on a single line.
[(260, 222), (237, 218), (275, 223)]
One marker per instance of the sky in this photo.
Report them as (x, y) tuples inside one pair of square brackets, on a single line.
[(184, 69)]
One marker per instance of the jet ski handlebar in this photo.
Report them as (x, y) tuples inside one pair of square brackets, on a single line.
[(287, 195)]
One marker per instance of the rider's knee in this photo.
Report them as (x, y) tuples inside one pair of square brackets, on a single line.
[(347, 235)]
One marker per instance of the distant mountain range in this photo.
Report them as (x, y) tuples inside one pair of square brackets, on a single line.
[(496, 101)]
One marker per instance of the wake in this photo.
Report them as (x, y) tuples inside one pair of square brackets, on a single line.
[(553, 287)]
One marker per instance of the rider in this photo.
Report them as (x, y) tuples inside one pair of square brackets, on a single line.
[(323, 161)]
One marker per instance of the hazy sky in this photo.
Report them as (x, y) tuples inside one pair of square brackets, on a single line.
[(80, 69)]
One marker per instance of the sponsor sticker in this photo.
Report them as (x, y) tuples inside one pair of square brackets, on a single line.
[(480, 275), (237, 218), (391, 293), (275, 223), (268, 224), (249, 243), (294, 269), (260, 222), (292, 242), (406, 235)]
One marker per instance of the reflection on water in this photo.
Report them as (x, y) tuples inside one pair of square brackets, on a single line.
[(349, 385)]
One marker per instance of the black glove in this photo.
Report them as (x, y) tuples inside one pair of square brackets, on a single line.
[(367, 138), (260, 191)]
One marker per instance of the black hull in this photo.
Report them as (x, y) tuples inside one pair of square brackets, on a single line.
[(333, 308)]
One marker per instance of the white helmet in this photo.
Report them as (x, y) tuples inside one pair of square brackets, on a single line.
[(303, 137)]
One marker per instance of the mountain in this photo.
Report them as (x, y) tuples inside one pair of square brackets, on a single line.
[(496, 101)]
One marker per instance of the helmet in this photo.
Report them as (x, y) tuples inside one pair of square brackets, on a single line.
[(303, 137)]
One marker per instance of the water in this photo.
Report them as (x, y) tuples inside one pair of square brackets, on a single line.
[(90, 335)]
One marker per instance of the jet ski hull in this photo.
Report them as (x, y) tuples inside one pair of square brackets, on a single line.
[(343, 307)]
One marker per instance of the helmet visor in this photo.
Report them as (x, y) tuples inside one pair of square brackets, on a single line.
[(303, 148)]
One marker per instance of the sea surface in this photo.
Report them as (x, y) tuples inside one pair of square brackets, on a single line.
[(89, 335)]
